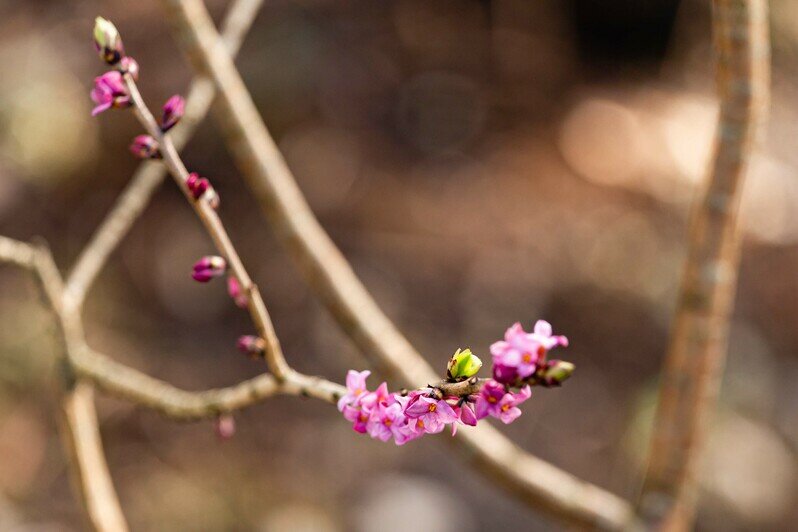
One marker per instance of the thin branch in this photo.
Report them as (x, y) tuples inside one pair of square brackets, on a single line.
[(215, 229), (698, 343), (130, 384), (92, 479), (149, 176), (328, 273), (79, 418)]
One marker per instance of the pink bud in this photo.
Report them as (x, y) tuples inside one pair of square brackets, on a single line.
[(128, 65), (172, 112), (251, 346), (200, 187), (238, 295), (224, 426), (145, 147), (209, 267)]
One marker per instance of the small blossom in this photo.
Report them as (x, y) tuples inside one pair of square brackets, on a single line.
[(209, 267), (463, 365), (387, 421), (252, 346), (465, 415), (495, 401), (355, 388), (431, 414), (488, 399), (107, 41), (128, 65), (224, 426), (542, 334), (234, 290), (145, 147), (109, 91), (173, 110)]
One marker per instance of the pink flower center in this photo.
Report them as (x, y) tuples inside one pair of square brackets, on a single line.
[(505, 407), (527, 358), (420, 424), (492, 399), (364, 418), (432, 407), (387, 422)]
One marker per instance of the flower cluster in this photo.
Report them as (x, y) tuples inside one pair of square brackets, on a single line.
[(462, 399), (521, 356)]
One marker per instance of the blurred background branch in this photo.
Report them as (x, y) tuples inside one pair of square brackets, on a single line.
[(699, 339)]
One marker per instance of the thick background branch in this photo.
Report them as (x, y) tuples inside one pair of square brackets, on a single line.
[(698, 342)]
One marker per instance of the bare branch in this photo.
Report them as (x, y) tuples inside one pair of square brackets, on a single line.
[(90, 471), (215, 229), (127, 383), (328, 273), (79, 418), (697, 349)]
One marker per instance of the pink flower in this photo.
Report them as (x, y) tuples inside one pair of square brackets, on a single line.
[(488, 399), (355, 388), (524, 351), (465, 415), (387, 421), (145, 147), (234, 291), (430, 414), (207, 268), (494, 400), (173, 111), (543, 335), (109, 91)]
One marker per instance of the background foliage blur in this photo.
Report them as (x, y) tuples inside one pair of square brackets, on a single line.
[(479, 162)]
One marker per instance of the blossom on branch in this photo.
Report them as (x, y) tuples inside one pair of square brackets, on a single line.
[(109, 91)]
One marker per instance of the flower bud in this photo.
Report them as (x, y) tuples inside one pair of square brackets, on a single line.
[(252, 346), (173, 110), (107, 41), (236, 293), (209, 267), (224, 426), (505, 374), (463, 364), (128, 65), (145, 147), (557, 372)]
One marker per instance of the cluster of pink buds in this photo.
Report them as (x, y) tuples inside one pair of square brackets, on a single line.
[(462, 399)]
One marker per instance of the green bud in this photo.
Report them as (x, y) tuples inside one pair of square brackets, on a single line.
[(558, 371), (107, 41), (463, 365)]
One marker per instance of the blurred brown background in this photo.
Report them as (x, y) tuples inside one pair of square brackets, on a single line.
[(479, 162)]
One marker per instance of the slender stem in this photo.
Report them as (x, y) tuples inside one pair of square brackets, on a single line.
[(213, 225), (698, 342), (149, 176), (79, 426)]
